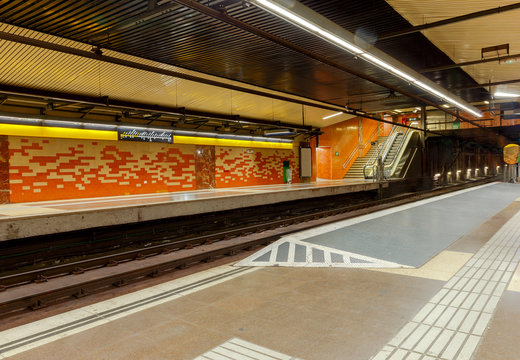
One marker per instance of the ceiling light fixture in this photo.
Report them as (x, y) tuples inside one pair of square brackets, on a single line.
[(331, 116), (309, 20), (486, 102), (446, 105), (507, 95)]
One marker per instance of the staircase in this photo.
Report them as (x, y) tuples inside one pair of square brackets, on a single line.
[(356, 170)]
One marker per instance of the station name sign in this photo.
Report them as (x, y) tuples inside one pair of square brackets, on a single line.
[(136, 134)]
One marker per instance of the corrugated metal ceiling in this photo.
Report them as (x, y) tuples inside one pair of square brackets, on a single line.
[(32, 67), (186, 38)]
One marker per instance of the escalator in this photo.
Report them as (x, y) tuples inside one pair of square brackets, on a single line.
[(400, 156)]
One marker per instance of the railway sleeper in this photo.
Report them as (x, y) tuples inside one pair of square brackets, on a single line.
[(38, 305), (41, 278)]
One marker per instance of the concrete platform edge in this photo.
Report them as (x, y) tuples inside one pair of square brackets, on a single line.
[(26, 226)]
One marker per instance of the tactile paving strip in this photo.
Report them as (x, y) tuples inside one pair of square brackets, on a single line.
[(451, 325)]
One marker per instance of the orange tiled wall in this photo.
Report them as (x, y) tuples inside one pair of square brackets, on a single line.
[(237, 167), (51, 169), (369, 127), (323, 159), (342, 138)]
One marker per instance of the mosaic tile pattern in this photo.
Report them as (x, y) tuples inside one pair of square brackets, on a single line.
[(51, 169), (245, 167)]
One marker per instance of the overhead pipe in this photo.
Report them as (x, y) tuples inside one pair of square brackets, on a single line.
[(105, 101), (96, 55), (467, 63), (452, 20)]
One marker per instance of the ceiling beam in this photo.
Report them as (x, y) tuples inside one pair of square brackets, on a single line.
[(141, 107), (467, 63), (153, 11), (96, 55), (484, 85), (452, 20)]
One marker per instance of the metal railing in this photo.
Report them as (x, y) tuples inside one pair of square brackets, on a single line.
[(388, 168), (383, 149), (361, 146)]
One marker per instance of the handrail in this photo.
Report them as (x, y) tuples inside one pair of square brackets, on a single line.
[(396, 155), (376, 130), (385, 147)]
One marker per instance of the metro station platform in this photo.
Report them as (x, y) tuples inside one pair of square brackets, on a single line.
[(434, 279), (48, 217)]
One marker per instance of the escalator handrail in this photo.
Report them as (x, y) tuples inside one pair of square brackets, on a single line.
[(406, 135), (371, 163)]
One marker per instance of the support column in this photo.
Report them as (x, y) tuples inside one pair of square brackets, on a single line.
[(4, 169), (424, 155), (205, 167), (360, 136)]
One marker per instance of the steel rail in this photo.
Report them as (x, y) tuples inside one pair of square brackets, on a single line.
[(41, 298)]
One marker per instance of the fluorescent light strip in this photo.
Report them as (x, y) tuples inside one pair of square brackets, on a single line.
[(280, 11), (388, 67), (503, 94), (331, 116)]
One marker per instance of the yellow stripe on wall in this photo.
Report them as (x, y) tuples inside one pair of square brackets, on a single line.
[(56, 132), (230, 142), (88, 134)]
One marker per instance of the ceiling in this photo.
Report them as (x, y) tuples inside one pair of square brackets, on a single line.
[(269, 69), (463, 41)]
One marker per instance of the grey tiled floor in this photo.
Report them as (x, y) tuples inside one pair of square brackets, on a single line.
[(413, 236)]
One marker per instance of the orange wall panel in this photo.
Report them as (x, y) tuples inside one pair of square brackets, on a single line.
[(343, 139), (369, 127), (324, 163)]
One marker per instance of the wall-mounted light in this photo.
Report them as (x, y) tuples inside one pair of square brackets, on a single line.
[(311, 21)]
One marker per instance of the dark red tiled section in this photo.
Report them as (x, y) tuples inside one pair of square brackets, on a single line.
[(4, 169), (205, 166)]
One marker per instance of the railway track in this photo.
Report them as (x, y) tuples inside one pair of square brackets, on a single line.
[(41, 287)]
